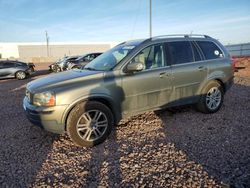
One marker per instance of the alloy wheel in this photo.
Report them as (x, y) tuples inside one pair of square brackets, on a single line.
[(20, 75), (213, 98), (92, 125)]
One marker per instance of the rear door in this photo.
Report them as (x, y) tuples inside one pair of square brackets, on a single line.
[(1, 69), (189, 71), (7, 69)]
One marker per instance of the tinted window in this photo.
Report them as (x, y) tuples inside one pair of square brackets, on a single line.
[(181, 52), (89, 57), (85, 58), (197, 55), (210, 50), (151, 57), (20, 64), (9, 65)]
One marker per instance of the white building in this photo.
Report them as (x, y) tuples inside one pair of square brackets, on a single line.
[(38, 52)]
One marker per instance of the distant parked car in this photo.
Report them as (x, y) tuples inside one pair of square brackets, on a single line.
[(82, 60), (63, 65), (53, 67), (15, 69)]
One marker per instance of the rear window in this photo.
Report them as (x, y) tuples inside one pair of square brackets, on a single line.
[(181, 52), (210, 50)]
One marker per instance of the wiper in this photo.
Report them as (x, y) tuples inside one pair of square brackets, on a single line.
[(89, 68)]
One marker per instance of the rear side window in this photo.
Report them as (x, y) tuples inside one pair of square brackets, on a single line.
[(9, 65), (181, 52), (210, 50), (20, 64)]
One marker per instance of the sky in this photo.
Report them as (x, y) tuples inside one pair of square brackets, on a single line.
[(121, 20)]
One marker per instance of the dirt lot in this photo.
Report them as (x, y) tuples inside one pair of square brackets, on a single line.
[(174, 148)]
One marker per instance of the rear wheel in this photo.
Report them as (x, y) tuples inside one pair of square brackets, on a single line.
[(212, 98), (89, 123), (20, 75)]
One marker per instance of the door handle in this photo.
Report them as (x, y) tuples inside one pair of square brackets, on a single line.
[(162, 74), (202, 68)]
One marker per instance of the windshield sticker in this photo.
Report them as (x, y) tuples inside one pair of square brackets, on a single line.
[(216, 52)]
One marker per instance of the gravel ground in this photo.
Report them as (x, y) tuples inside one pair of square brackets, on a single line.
[(172, 148)]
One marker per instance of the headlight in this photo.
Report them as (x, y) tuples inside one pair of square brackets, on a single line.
[(44, 99), (27, 93)]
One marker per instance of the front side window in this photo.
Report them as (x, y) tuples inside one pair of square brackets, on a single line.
[(151, 57), (210, 50), (180, 52)]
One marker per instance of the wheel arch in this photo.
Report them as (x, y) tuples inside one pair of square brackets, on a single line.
[(102, 99), (206, 82), (19, 70), (222, 84)]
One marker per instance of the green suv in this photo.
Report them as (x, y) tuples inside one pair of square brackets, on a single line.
[(131, 78)]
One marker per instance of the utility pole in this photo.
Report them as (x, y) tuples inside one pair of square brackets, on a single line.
[(47, 42), (150, 18)]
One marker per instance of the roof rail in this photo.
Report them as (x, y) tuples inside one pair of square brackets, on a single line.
[(180, 35)]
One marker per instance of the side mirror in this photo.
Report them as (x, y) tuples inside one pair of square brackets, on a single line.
[(135, 67)]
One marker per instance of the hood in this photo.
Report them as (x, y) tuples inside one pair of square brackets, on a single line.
[(60, 78)]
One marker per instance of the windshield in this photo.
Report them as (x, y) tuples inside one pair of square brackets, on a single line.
[(109, 59), (79, 58)]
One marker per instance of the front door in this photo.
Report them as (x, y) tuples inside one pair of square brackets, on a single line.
[(149, 88)]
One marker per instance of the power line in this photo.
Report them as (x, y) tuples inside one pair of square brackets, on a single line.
[(150, 18), (136, 18)]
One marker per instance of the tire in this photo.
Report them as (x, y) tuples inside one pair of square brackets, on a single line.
[(89, 123), (211, 98), (20, 75), (53, 68), (57, 69)]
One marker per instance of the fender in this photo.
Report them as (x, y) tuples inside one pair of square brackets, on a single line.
[(96, 96), (216, 75)]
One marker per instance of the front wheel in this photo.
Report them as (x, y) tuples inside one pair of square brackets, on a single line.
[(20, 75), (89, 123), (211, 98), (56, 68)]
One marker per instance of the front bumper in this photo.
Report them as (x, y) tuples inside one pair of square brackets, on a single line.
[(48, 118), (30, 71)]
